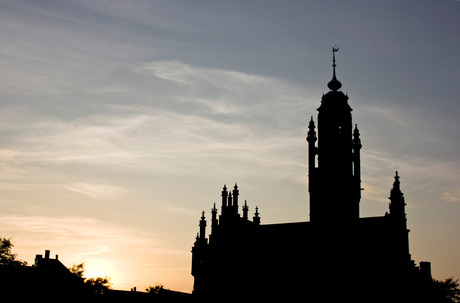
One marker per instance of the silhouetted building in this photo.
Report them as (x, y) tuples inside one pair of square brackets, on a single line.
[(46, 279), (337, 255)]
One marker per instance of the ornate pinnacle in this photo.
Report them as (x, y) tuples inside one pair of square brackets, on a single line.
[(334, 84)]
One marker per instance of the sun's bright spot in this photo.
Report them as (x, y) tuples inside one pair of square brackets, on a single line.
[(99, 268)]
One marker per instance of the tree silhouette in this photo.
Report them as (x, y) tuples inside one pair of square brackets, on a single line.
[(97, 285), (94, 285), (7, 257), (155, 290), (78, 270), (448, 290)]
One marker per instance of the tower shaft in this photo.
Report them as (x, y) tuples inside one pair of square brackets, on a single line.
[(334, 163)]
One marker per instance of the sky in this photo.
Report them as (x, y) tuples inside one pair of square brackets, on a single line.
[(120, 122)]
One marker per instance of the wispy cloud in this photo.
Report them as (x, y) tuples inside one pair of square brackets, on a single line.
[(227, 91), (420, 176), (201, 119), (216, 115), (452, 195), (171, 71), (97, 191), (178, 210)]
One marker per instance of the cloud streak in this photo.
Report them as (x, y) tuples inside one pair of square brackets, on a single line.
[(215, 113), (209, 117), (97, 191)]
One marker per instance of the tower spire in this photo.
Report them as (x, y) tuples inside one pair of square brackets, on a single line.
[(357, 162), (214, 223), (235, 198), (397, 204), (311, 138), (203, 227), (334, 84), (396, 184), (224, 197), (245, 210), (398, 218), (256, 218)]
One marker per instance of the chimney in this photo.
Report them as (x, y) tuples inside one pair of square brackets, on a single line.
[(425, 270), (47, 254), (37, 259)]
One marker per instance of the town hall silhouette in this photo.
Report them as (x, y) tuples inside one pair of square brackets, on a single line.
[(334, 257)]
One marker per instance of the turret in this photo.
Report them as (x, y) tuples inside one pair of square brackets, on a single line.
[(230, 200), (203, 228), (224, 202), (229, 214), (214, 222), (198, 256), (236, 193), (245, 211), (397, 203), (256, 218), (397, 216), (357, 164), (311, 138), (224, 197)]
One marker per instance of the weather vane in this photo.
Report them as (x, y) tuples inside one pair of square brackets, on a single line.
[(334, 84), (334, 50)]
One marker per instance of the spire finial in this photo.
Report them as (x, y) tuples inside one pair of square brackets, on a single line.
[(396, 184), (334, 50), (334, 84)]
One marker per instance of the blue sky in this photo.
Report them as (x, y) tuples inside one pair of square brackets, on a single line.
[(121, 121)]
